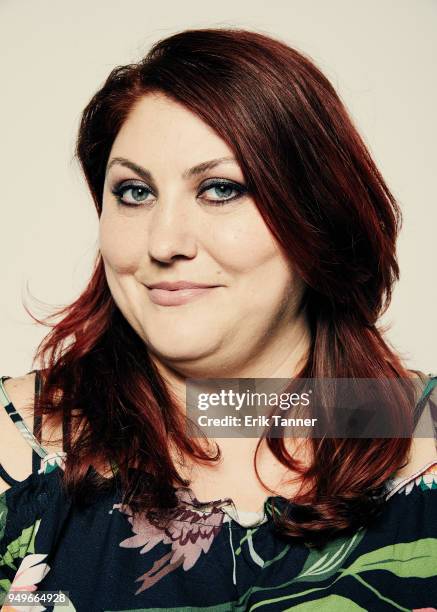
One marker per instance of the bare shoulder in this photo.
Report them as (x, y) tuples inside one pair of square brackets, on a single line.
[(21, 392), (423, 452), (15, 450)]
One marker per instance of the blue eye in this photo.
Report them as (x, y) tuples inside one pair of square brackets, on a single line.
[(139, 192), (222, 188)]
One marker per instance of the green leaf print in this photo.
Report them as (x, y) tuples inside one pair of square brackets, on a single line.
[(332, 603), (5, 585), (21, 546), (224, 607), (3, 514), (321, 564), (417, 559)]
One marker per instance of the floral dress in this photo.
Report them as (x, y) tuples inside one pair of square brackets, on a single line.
[(211, 557)]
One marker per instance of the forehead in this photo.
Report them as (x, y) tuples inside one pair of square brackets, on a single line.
[(160, 126)]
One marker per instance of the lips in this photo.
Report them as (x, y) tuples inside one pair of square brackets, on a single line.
[(176, 297), (182, 284)]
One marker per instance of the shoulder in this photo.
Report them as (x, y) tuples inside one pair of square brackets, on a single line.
[(15, 450), (16, 453), (423, 451), (21, 392)]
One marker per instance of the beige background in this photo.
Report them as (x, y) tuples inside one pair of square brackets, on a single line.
[(379, 54)]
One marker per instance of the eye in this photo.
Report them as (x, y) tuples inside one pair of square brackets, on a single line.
[(138, 193), (223, 188)]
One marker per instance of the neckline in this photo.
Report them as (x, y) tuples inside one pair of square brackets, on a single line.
[(245, 518), (186, 495)]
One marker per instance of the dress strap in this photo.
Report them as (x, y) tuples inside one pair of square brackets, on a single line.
[(6, 477), (430, 382), (37, 423), (38, 450)]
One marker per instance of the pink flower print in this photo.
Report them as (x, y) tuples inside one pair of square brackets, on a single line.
[(30, 572), (424, 610), (190, 532)]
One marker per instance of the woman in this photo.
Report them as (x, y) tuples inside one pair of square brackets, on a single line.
[(223, 159)]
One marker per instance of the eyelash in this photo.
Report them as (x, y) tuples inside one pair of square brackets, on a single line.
[(120, 189)]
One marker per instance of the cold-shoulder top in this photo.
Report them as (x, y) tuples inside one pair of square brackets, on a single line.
[(211, 557)]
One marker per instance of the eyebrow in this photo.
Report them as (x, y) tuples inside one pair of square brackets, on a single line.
[(147, 175)]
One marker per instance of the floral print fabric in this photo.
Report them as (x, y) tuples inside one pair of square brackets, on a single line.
[(206, 561)]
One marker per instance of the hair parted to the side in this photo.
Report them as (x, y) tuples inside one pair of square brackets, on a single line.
[(329, 209)]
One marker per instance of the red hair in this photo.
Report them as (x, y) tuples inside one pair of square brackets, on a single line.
[(328, 207)]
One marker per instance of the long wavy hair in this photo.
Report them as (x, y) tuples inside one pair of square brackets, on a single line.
[(330, 211)]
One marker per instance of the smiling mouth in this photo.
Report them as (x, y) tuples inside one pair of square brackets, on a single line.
[(176, 297)]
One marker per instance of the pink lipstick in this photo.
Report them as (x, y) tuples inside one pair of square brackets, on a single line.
[(176, 293)]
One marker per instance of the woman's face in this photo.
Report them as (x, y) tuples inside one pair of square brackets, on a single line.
[(179, 221)]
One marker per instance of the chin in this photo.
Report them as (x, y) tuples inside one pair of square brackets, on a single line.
[(183, 355), (181, 347)]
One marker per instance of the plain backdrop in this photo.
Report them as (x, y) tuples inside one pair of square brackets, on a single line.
[(380, 55)]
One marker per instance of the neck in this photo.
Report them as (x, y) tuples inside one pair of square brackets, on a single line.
[(282, 356)]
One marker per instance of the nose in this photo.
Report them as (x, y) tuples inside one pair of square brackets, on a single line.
[(172, 230)]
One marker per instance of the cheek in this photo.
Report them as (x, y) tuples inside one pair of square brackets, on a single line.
[(254, 261), (119, 244), (248, 247)]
